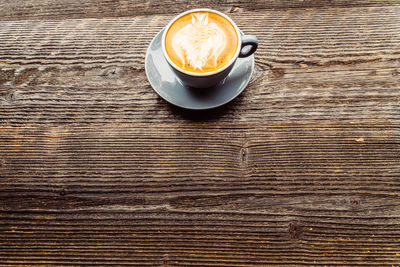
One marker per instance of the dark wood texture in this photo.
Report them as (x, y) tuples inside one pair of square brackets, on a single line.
[(303, 168), (58, 9)]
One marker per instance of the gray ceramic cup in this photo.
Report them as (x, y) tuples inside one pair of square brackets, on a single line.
[(247, 45)]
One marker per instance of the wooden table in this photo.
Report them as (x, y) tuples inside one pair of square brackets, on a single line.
[(303, 168)]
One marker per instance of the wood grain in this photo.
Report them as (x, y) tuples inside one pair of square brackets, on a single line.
[(193, 194), (57, 9), (302, 169), (310, 71)]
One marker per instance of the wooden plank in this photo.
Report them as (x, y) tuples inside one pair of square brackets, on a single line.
[(284, 101), (80, 71), (311, 37), (149, 153), (301, 169), (56, 9), (196, 194)]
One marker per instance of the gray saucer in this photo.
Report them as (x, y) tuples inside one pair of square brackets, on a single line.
[(165, 83)]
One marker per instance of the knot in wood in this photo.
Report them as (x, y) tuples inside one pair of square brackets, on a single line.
[(295, 230)]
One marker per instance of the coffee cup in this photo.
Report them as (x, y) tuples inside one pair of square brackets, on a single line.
[(202, 45)]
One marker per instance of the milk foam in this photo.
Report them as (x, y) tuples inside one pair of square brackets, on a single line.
[(199, 43)]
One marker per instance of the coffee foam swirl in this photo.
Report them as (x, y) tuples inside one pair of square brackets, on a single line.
[(199, 43)]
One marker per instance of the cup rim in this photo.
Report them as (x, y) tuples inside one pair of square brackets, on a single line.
[(204, 74)]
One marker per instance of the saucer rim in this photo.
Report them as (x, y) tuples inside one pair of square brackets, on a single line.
[(194, 108)]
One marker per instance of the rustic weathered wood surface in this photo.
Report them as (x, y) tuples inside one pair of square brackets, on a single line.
[(302, 168)]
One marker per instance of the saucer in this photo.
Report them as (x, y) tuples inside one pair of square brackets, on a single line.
[(166, 84)]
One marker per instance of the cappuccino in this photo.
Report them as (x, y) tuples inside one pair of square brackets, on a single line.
[(201, 42)]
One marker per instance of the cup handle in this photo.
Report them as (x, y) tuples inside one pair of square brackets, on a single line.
[(248, 40)]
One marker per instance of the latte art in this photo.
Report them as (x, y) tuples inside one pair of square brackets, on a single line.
[(201, 42)]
